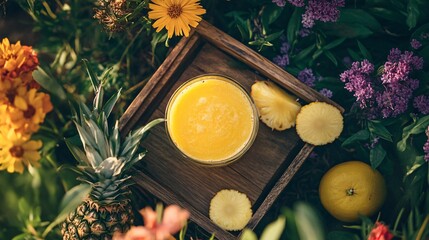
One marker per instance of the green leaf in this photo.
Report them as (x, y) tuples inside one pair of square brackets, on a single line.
[(248, 235), (157, 37), (354, 55), (85, 138), (417, 127), (98, 99), (334, 43), (274, 230), (108, 107), (115, 140), (353, 23), (273, 36), (419, 33), (49, 83), (92, 76), (376, 156), (360, 17), (341, 235), (136, 136), (413, 13), (379, 130), (100, 138), (419, 161), (364, 51), (308, 223), (270, 14), (304, 53), (76, 151), (388, 14), (182, 233), (331, 57), (294, 25), (362, 135), (69, 203)]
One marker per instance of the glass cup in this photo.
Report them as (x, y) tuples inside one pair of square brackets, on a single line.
[(211, 120)]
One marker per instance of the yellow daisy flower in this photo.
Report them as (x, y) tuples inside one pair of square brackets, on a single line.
[(17, 151), (319, 123), (176, 15), (16, 59), (28, 110)]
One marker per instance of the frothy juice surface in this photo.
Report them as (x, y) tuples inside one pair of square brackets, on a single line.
[(210, 119)]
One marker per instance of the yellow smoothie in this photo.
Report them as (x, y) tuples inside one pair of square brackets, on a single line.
[(211, 119)]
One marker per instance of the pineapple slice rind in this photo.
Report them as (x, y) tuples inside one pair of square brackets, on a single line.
[(276, 108)]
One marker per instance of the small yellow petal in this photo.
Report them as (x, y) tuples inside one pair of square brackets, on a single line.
[(32, 145)]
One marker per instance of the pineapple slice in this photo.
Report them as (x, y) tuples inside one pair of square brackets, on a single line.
[(319, 123), (277, 109), (230, 210)]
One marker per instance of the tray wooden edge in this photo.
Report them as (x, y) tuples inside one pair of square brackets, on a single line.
[(260, 63), (168, 197), (154, 85), (228, 44), (254, 60)]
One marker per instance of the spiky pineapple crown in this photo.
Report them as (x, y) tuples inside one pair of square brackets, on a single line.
[(103, 159)]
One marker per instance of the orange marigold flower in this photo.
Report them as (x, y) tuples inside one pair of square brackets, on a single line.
[(28, 109), (17, 151), (16, 59), (8, 90)]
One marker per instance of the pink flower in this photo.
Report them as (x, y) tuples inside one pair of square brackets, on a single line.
[(380, 232), (174, 218)]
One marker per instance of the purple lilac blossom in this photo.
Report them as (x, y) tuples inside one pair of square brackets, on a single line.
[(322, 10), (388, 95), (415, 44), (374, 142), (281, 60), (358, 80), (326, 92), (395, 98), (304, 32), (399, 66), (306, 76), (284, 49), (297, 3), (280, 3), (421, 103), (426, 146)]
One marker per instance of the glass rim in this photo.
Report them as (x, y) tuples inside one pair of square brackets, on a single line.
[(246, 146)]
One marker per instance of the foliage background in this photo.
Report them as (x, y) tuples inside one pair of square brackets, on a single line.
[(63, 32)]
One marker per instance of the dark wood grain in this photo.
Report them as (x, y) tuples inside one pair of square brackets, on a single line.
[(172, 64), (260, 63), (261, 173)]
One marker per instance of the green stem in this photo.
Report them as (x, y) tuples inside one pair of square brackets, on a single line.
[(422, 228), (129, 45)]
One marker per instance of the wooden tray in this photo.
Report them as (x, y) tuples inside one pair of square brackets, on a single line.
[(262, 173)]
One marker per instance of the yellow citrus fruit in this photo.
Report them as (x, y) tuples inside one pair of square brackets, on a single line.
[(351, 189)]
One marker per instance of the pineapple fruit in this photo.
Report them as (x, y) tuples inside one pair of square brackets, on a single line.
[(277, 109), (104, 160)]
